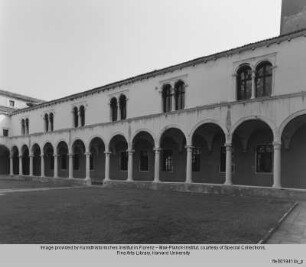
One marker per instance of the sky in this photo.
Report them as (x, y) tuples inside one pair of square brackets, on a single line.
[(53, 48)]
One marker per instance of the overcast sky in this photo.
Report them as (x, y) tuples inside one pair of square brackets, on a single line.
[(53, 48)]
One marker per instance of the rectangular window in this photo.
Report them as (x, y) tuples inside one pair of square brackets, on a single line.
[(5, 132), (264, 159), (63, 162), (167, 161), (76, 162), (223, 160), (196, 160), (91, 162), (124, 160), (144, 161), (12, 103)]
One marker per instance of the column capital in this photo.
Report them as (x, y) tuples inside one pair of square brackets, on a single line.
[(55, 155), (87, 154), (277, 144), (107, 153), (42, 154), (130, 151), (189, 147), (157, 149), (228, 145), (20, 156), (70, 155), (31, 155)]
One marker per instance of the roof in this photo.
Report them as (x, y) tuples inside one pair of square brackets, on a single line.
[(193, 62), (6, 110), (21, 97)]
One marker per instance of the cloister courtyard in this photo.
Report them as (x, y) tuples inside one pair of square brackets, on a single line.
[(35, 213)]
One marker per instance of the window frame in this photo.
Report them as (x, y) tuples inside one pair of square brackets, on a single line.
[(256, 159), (242, 69), (164, 163), (140, 165)]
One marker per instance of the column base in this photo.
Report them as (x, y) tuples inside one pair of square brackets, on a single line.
[(277, 186), (228, 183)]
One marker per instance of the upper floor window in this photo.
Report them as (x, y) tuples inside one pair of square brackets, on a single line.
[(244, 83), (51, 118), (122, 105), (82, 115), (49, 121), (114, 108), (27, 125), (166, 94), (179, 95), (23, 131), (263, 79), (46, 118), (75, 117), (12, 103), (5, 132)]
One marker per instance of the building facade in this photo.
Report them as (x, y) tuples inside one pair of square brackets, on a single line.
[(237, 118)]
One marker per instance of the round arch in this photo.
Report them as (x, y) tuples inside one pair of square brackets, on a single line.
[(91, 138), (287, 120), (145, 130), (168, 127), (268, 122), (207, 121)]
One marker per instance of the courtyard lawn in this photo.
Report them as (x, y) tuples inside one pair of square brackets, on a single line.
[(106, 215), (23, 184)]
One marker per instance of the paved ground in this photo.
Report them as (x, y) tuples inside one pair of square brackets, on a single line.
[(293, 229)]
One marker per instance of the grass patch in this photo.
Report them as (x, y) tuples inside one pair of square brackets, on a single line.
[(106, 215)]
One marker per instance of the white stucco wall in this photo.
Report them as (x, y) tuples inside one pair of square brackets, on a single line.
[(207, 83)]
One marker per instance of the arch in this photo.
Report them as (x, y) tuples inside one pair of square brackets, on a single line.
[(174, 126), (62, 151), (79, 162), (122, 106), (144, 130), (15, 155), (35, 145), (207, 121), (87, 144), (4, 160), (118, 146), (263, 79), (96, 148), (60, 141), (114, 109), (250, 118), (114, 135), (244, 82), (287, 120), (25, 160)]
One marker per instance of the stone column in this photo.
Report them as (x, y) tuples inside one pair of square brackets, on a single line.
[(253, 84), (87, 155), (228, 166), (31, 164), (55, 173), (42, 165), (20, 165), (11, 166), (70, 175), (107, 165), (277, 165), (189, 164), (130, 165), (157, 151)]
